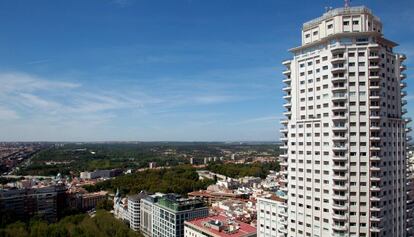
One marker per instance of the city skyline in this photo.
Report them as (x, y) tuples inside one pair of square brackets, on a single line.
[(141, 70)]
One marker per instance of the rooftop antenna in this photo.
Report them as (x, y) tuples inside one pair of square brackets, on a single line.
[(347, 3)]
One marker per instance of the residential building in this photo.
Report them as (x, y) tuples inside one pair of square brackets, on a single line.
[(344, 136), (217, 226), (146, 216), (271, 216), (46, 202), (170, 212), (134, 211)]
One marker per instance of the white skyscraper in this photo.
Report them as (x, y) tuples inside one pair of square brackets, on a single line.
[(345, 134)]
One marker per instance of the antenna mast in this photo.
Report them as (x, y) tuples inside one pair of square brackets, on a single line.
[(347, 3)]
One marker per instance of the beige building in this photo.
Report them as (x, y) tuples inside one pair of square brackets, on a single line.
[(344, 134)]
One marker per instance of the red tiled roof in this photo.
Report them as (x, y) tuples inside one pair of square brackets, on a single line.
[(244, 229)]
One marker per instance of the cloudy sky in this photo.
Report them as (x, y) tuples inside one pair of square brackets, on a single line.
[(189, 70)]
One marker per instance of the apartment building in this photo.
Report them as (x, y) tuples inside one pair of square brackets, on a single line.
[(344, 135), (271, 216), (170, 212)]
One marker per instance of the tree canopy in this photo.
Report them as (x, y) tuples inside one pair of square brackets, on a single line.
[(103, 224)]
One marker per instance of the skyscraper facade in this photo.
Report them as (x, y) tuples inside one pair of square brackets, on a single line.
[(345, 133)]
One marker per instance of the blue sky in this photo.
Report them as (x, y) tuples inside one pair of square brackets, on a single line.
[(189, 70)]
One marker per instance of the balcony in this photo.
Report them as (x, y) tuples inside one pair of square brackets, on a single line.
[(338, 59), (338, 187), (374, 77), (339, 148), (339, 117), (286, 62), (375, 138), (375, 218), (374, 67), (374, 57), (375, 229), (284, 139), (403, 85), (375, 168), (403, 67), (287, 97), (282, 229), (337, 107), (342, 217), (402, 57), (338, 79), (287, 105), (374, 97), (403, 93), (286, 72), (340, 168), (403, 76), (288, 88), (375, 199), (287, 80), (375, 87), (284, 156), (339, 97), (375, 209), (375, 188), (336, 69), (374, 158), (408, 138), (404, 111), (284, 121), (375, 107), (374, 116), (375, 178), (340, 227), (339, 88), (284, 147), (403, 102), (339, 128), (340, 177), (407, 120), (339, 138), (287, 113), (375, 148), (339, 158), (374, 127), (407, 130)]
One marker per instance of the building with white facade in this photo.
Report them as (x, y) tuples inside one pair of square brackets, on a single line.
[(134, 211), (146, 208), (170, 211), (344, 136), (271, 216)]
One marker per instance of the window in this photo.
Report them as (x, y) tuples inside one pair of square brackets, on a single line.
[(346, 23), (355, 22), (330, 26)]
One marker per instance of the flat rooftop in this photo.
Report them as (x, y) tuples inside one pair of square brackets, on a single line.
[(219, 225)]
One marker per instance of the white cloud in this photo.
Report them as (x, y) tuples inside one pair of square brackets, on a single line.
[(8, 114)]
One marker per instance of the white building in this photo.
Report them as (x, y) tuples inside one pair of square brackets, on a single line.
[(134, 211), (271, 216), (345, 135), (146, 216), (121, 207)]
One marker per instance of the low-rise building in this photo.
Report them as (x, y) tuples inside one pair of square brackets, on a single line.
[(271, 216), (218, 226)]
